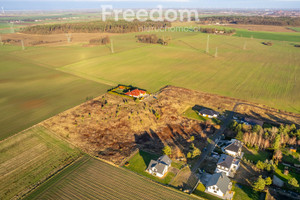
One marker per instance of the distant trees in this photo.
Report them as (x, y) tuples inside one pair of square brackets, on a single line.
[(257, 20), (120, 26), (152, 39), (217, 31), (267, 165), (100, 41)]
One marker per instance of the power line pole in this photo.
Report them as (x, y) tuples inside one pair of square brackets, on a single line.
[(12, 30), (1, 41), (111, 46), (23, 47), (207, 45), (245, 45), (69, 37), (216, 54)]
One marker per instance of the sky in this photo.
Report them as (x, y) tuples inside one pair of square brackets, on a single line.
[(94, 4)]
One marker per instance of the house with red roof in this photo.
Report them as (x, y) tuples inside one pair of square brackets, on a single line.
[(136, 93)]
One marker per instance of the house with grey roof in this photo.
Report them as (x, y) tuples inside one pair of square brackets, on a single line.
[(228, 165), (233, 148), (219, 185), (160, 166), (208, 113)]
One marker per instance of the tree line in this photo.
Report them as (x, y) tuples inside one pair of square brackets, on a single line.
[(121, 26), (152, 39), (217, 31), (264, 138), (100, 41), (255, 20)]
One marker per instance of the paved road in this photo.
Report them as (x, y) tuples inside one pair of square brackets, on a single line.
[(210, 147)]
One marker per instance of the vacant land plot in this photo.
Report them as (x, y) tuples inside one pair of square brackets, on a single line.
[(94, 179), (253, 155), (28, 158), (30, 93), (268, 28)]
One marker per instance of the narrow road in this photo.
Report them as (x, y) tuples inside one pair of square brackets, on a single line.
[(210, 147)]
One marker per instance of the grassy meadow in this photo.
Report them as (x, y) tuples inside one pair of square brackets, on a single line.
[(30, 157), (89, 178)]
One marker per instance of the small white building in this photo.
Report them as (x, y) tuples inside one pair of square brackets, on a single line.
[(219, 185), (228, 165), (160, 167), (233, 148), (208, 113)]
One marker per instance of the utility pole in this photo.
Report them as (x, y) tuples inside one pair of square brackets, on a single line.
[(111, 46), (251, 37), (12, 30), (245, 45), (69, 37), (216, 54), (1, 41), (207, 45), (23, 47)]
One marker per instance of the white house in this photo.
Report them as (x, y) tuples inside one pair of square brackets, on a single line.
[(228, 165), (219, 185), (208, 113), (159, 167), (233, 148)]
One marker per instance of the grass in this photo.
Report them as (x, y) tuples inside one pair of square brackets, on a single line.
[(199, 191), (295, 28), (279, 172), (245, 193), (63, 77), (253, 155), (30, 157), (30, 93), (139, 163), (291, 37), (95, 179), (290, 157), (193, 114)]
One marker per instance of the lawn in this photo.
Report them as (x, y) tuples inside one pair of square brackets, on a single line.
[(30, 157), (90, 178), (295, 28), (193, 114), (290, 157), (139, 163), (199, 191), (253, 155), (245, 193), (279, 171)]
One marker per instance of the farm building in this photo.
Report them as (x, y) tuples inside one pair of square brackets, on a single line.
[(219, 185), (159, 167), (233, 148), (136, 93), (208, 113), (228, 165)]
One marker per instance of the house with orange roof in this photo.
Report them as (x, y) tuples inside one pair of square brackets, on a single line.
[(136, 93)]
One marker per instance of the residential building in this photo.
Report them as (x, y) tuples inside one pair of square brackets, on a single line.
[(233, 148), (228, 165), (160, 166), (136, 93), (219, 185), (208, 113)]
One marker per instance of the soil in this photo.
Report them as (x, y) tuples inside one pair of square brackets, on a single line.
[(112, 126)]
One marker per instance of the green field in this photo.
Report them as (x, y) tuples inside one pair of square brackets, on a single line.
[(295, 29), (42, 81), (253, 155), (30, 92), (139, 163), (291, 37), (89, 178), (30, 157)]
